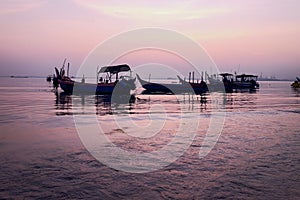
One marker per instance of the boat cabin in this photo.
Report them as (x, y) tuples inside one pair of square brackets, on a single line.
[(110, 74), (245, 78), (227, 77)]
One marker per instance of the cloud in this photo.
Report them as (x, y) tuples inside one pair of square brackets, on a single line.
[(15, 6), (154, 11)]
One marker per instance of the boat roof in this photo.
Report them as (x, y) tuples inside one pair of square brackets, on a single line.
[(245, 75), (226, 74), (115, 69)]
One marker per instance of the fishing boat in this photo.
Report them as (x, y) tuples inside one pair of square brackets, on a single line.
[(296, 83), (108, 81), (213, 79), (49, 78), (173, 88), (215, 84), (198, 87), (166, 88), (242, 81)]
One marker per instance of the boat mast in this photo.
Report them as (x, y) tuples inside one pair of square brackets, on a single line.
[(68, 69), (193, 77), (63, 66), (97, 74)]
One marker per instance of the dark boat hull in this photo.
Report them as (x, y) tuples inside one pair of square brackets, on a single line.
[(165, 88), (100, 88), (241, 86), (245, 85), (183, 87)]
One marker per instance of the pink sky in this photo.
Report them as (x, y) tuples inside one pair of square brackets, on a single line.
[(257, 35)]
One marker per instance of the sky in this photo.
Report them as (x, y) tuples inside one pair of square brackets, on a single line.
[(255, 36)]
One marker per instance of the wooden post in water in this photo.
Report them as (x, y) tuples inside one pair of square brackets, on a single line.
[(189, 77)]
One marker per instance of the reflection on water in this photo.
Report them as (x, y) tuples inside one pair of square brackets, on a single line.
[(136, 104), (268, 97), (236, 101), (296, 91), (63, 103), (41, 155), (247, 101)]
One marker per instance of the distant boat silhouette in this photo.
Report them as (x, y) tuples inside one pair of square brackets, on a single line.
[(296, 83), (49, 78), (19, 76)]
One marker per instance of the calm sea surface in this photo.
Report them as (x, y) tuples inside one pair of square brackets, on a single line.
[(257, 155)]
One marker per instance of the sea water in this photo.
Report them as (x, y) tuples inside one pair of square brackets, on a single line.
[(42, 153)]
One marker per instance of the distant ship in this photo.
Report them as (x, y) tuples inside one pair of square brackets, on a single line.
[(19, 76)]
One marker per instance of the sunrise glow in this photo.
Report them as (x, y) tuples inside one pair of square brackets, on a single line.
[(252, 36)]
